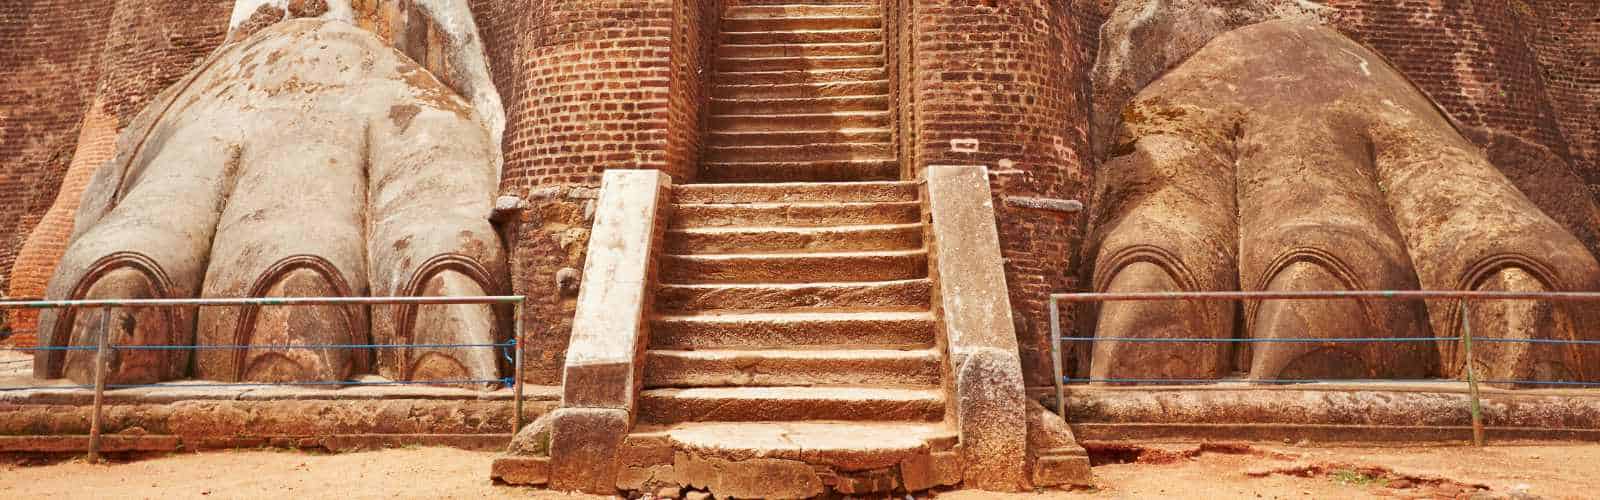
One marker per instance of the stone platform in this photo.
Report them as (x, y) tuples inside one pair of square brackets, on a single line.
[(191, 416), (1353, 412)]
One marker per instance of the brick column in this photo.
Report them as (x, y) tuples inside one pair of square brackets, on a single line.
[(1005, 85), (589, 86)]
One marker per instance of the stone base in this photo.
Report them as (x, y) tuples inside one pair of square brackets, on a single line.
[(790, 460), (1414, 412), (521, 471), (178, 418)]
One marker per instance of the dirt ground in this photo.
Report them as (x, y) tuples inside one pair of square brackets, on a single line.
[(1166, 471)]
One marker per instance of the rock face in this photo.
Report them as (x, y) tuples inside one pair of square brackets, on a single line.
[(310, 158), (1283, 156)]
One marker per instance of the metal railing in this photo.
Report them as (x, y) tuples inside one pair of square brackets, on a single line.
[(1466, 338), (103, 346)]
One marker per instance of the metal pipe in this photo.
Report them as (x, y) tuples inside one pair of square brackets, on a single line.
[(1476, 405), (1055, 356), (1327, 295), (257, 301), (516, 375), (100, 359)]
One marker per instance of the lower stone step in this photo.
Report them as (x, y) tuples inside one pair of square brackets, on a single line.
[(793, 330), (801, 90), (744, 240), (793, 214), (878, 151), (807, 171), (901, 294), (794, 267), (796, 192), (717, 368), (754, 404), (778, 122), (792, 459)]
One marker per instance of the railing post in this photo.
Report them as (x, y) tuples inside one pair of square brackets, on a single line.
[(1472, 376), (1055, 356), (516, 376), (100, 360)]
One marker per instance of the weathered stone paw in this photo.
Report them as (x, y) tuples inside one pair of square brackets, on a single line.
[(1282, 156), (309, 159)]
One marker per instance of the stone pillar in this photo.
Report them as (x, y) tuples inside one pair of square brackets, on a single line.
[(973, 311), (604, 364)]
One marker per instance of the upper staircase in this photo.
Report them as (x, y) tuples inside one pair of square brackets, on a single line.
[(801, 93), (792, 318)]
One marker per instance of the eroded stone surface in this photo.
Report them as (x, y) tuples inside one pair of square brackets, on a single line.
[(1207, 188), (309, 158)]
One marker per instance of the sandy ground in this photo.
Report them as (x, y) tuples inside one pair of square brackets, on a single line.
[(1164, 471)]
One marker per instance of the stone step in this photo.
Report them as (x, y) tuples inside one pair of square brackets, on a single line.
[(803, 36), (793, 330), (800, 76), (801, 152), (802, 90), (755, 404), (798, 63), (815, 459), (808, 2), (793, 214), (782, 122), (801, 49), (845, 445), (785, 137), (796, 192), (901, 294), (802, 171), (732, 22), (800, 9), (767, 368), (702, 241), (802, 105), (794, 267)]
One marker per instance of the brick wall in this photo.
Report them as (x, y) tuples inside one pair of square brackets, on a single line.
[(589, 85), (1004, 84), (1566, 42), (49, 53), (146, 47)]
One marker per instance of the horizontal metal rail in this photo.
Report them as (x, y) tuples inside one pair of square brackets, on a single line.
[(257, 301), (103, 346), (1327, 295)]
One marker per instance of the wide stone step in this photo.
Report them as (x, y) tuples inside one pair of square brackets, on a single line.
[(803, 36), (794, 267), (780, 122), (798, 63), (800, 105), (765, 368), (802, 171), (793, 330), (755, 404), (796, 192), (801, 9), (901, 294), (801, 49), (801, 152), (800, 76), (844, 445), (793, 214), (702, 241), (787, 137), (802, 90), (734, 22)]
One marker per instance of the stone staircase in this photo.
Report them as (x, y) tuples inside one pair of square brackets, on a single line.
[(792, 318), (791, 349), (801, 94)]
